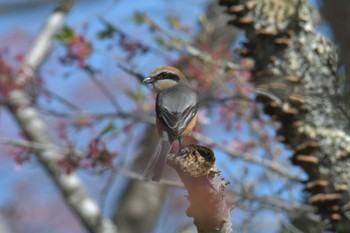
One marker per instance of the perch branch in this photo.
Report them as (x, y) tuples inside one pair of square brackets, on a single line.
[(209, 208)]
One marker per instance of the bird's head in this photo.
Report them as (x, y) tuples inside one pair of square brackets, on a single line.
[(164, 77)]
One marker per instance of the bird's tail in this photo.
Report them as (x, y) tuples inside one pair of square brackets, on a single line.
[(156, 163)]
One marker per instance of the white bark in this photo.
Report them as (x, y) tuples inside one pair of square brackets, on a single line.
[(20, 105)]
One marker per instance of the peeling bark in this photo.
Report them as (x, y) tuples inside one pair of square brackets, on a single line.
[(209, 208)]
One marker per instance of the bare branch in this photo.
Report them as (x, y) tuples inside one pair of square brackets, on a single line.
[(41, 45), (62, 100), (69, 184), (278, 204), (38, 146), (103, 88), (273, 203), (36, 130), (123, 115), (76, 154), (272, 165)]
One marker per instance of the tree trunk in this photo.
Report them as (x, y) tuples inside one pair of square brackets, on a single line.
[(298, 68)]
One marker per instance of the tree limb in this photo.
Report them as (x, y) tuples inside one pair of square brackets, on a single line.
[(35, 129), (269, 164), (299, 67), (209, 208)]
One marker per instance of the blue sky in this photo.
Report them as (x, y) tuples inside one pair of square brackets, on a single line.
[(27, 23)]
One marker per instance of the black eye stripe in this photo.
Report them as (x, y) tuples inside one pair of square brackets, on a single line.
[(164, 74), (167, 75)]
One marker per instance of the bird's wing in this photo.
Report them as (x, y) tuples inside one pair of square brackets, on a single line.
[(176, 108)]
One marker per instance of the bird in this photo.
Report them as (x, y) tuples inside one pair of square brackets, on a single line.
[(176, 114)]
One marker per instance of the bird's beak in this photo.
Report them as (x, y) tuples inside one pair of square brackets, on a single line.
[(148, 80)]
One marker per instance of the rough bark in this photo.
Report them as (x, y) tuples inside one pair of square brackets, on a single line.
[(209, 207), (298, 67), (337, 14)]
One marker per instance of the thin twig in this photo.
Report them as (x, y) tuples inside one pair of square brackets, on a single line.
[(36, 130), (62, 100), (272, 165), (274, 202), (36, 146), (75, 116), (103, 89), (140, 77)]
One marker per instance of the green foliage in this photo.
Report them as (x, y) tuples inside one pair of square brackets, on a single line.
[(136, 95), (109, 128), (107, 32), (160, 41), (174, 22), (65, 35), (140, 17)]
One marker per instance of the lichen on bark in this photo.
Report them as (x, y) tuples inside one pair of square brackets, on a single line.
[(299, 68)]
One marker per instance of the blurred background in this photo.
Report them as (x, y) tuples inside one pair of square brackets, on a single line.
[(89, 92)]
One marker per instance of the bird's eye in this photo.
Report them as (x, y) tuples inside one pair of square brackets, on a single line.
[(167, 76), (163, 75)]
